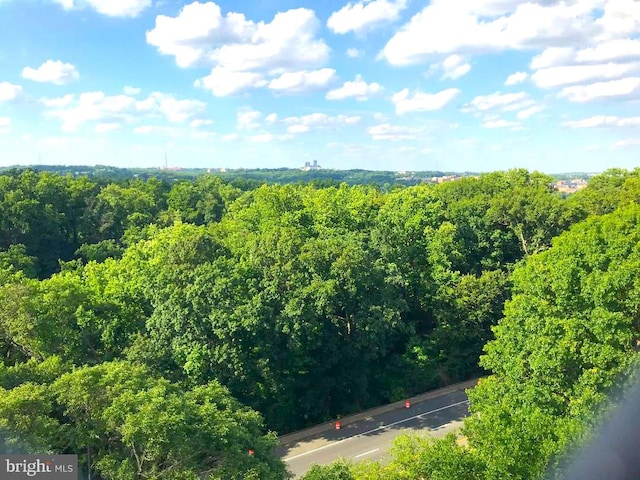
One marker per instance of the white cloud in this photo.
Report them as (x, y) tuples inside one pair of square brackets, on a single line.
[(101, 108), (619, 49), (52, 71), (298, 129), (223, 82), (176, 110), (553, 56), (58, 102), (111, 8), (570, 74), (353, 53), (528, 112), (631, 142), (243, 54), (303, 81), (364, 15), (516, 78), (107, 127), (319, 120), (604, 121), (423, 102), (272, 118), (200, 123), (455, 67), (387, 131), (445, 27), (132, 91), (504, 101), (622, 88), (620, 18), (358, 89), (9, 91), (248, 119)]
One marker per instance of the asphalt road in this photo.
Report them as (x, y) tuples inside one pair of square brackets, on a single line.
[(370, 439)]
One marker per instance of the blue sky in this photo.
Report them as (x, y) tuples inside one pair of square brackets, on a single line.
[(464, 85)]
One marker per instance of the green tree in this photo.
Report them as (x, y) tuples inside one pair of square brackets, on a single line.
[(569, 332)]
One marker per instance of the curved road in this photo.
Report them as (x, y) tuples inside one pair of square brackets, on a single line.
[(370, 439)]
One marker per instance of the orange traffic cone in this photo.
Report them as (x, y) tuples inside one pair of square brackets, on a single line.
[(407, 404), (337, 425)]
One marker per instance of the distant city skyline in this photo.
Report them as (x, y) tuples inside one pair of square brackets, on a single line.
[(389, 85)]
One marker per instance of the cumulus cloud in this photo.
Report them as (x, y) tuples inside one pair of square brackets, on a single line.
[(624, 88), (529, 112), (248, 119), (553, 56), (353, 53), (364, 15), (455, 67), (516, 78), (611, 50), (423, 102), (631, 142), (131, 90), (445, 27), (9, 91), (104, 109), (604, 121), (499, 100), (111, 8), (58, 102), (358, 89), (298, 129), (303, 81), (52, 71), (242, 54), (319, 121), (572, 74), (223, 82)]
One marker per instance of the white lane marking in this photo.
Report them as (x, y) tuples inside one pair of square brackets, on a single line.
[(367, 453), (374, 430)]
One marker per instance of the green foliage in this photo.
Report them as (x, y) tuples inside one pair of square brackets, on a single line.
[(139, 426), (308, 302), (568, 335), (339, 470)]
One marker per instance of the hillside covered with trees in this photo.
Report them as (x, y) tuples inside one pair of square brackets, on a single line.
[(164, 329)]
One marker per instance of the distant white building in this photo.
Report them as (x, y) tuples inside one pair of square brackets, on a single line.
[(311, 166)]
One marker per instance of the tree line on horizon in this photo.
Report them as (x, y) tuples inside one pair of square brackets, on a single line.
[(168, 328)]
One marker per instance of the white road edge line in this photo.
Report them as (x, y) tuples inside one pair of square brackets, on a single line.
[(374, 430), (367, 453)]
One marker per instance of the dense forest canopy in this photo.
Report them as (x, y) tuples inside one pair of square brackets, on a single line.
[(231, 310)]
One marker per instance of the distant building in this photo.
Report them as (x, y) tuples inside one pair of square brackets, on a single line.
[(570, 186), (311, 166), (445, 178)]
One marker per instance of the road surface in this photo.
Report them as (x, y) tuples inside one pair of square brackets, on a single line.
[(370, 439)]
